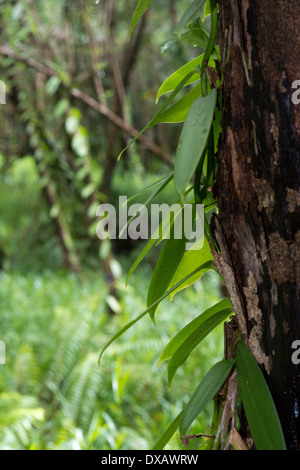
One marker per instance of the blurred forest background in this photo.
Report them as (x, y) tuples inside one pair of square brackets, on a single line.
[(77, 91)]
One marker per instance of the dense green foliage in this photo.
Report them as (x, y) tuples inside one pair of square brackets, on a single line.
[(53, 393)]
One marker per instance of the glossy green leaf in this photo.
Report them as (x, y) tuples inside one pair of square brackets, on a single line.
[(179, 111), (151, 186), (192, 341), (187, 331), (205, 392), (141, 8), (162, 109), (162, 229), (168, 434), (207, 9), (141, 256), (189, 15), (173, 80), (190, 261), (166, 46), (196, 37), (193, 139), (168, 261), (161, 186), (258, 403)]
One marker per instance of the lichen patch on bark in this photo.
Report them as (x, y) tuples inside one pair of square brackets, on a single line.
[(281, 259), (293, 199), (265, 196), (252, 298), (229, 277), (256, 333)]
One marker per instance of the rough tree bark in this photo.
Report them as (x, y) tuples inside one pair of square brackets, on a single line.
[(258, 182)]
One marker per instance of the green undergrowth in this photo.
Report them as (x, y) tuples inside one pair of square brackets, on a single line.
[(53, 393)]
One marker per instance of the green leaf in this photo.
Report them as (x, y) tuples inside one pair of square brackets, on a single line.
[(168, 434), (72, 123), (162, 109), (168, 262), (166, 46), (170, 258), (207, 9), (141, 256), (151, 186), (258, 403), (161, 185), (88, 190), (173, 80), (163, 228), (61, 108), (179, 111), (189, 15), (190, 261), (196, 37), (141, 8), (192, 341), (52, 85), (80, 144), (186, 332), (205, 392), (134, 321), (193, 139), (54, 211)]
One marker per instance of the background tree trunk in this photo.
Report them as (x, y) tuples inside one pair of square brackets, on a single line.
[(121, 67), (258, 229)]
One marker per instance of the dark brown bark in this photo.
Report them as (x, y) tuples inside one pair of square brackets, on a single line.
[(258, 181)]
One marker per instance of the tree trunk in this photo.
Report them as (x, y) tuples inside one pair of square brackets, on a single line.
[(258, 181), (121, 73)]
